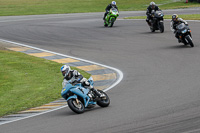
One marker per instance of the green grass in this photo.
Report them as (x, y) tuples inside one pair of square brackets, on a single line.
[(27, 81), (178, 5), (32, 7), (185, 17)]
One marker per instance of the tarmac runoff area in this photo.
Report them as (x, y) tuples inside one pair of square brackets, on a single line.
[(105, 77)]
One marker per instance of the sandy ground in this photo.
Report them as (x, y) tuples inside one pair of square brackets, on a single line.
[(4, 45)]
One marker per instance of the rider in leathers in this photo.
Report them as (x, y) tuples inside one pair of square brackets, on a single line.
[(174, 22), (112, 5), (75, 77), (152, 6)]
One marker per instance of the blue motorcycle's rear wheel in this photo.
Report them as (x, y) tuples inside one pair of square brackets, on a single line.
[(76, 106), (105, 101)]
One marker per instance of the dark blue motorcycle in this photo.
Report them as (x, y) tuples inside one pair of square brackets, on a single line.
[(79, 98), (184, 34), (157, 23)]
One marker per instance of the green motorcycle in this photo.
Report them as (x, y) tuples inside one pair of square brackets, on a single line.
[(111, 17)]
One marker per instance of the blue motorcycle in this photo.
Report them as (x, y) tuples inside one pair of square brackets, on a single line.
[(79, 98)]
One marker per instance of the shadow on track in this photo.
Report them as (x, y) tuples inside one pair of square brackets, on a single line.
[(177, 47), (150, 33), (68, 112), (107, 27)]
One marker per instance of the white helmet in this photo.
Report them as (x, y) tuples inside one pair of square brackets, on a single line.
[(113, 3), (152, 4), (65, 70)]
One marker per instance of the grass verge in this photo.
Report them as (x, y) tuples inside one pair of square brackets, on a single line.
[(185, 17), (33, 7), (27, 81)]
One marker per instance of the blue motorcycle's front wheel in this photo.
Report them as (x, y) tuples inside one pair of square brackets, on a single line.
[(76, 105)]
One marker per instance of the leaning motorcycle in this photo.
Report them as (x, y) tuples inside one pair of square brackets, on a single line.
[(79, 98), (184, 34), (157, 23), (111, 17)]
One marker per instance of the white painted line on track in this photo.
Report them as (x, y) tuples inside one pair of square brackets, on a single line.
[(34, 115), (113, 85)]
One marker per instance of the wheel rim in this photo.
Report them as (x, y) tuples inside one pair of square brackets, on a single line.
[(105, 99), (77, 105)]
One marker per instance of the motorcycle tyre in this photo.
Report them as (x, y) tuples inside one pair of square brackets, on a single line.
[(161, 28), (103, 102), (152, 29), (74, 108), (106, 25), (112, 22), (189, 41)]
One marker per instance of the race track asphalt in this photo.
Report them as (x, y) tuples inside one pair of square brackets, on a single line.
[(160, 91)]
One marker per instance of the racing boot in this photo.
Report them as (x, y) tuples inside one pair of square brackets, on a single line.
[(104, 19), (149, 23), (101, 95), (91, 96), (179, 40)]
